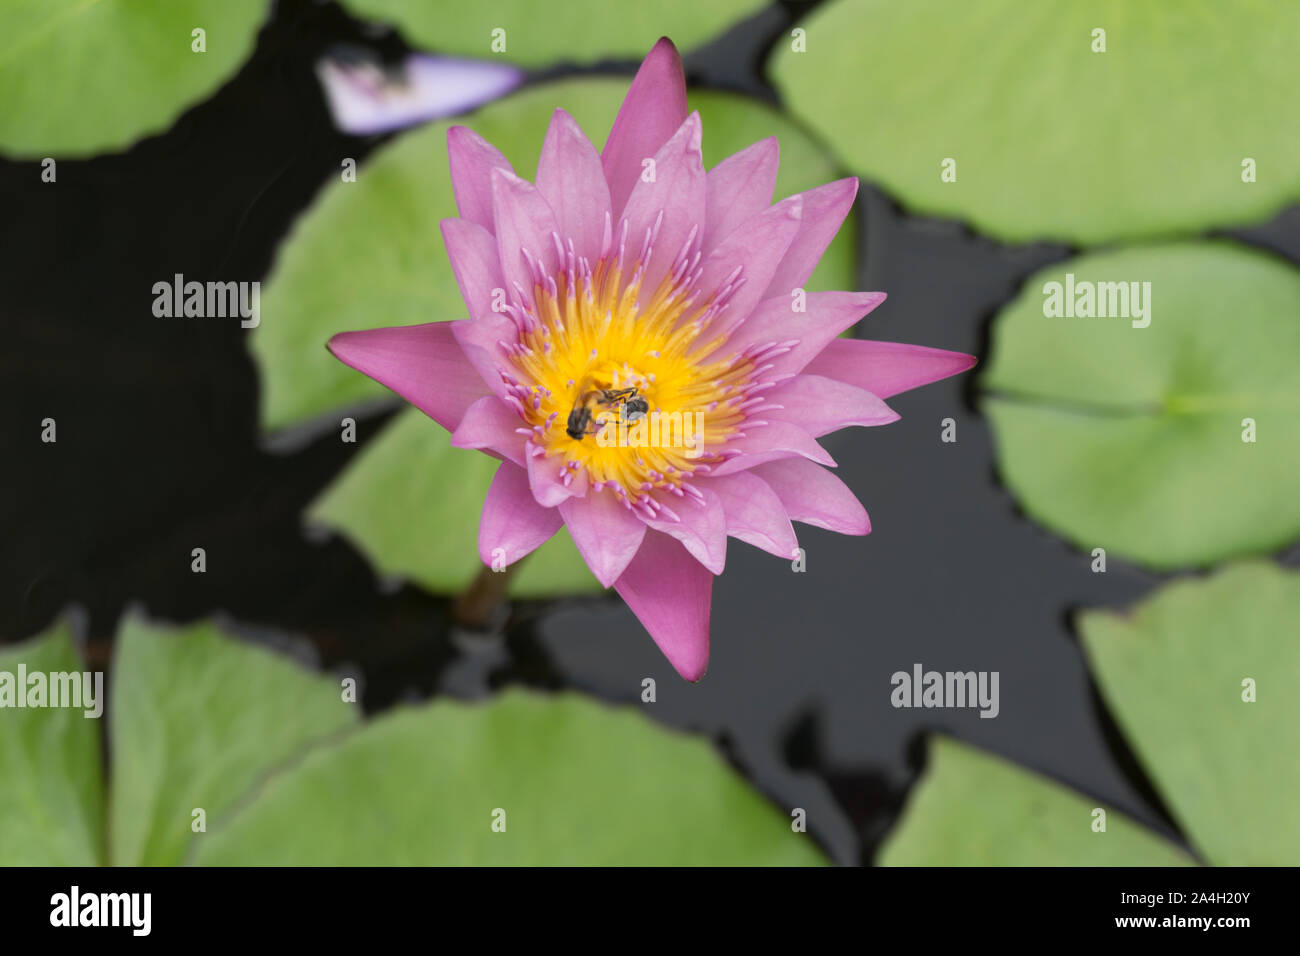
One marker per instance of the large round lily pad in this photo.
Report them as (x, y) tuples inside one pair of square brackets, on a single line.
[(577, 30), (522, 780), (86, 76), (1131, 439), (225, 753), (1051, 139)]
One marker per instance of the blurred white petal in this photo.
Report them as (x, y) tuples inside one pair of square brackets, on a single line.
[(365, 97)]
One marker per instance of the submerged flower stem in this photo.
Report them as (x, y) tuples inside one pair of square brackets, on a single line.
[(476, 606)]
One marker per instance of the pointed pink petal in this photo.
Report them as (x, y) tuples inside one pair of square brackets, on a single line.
[(739, 187), (569, 177), (757, 246), (475, 262), (525, 224), (544, 478), (887, 368), (701, 527), (512, 520), (480, 341), (671, 593), (674, 202), (606, 532), (754, 513), (824, 209), (822, 405), (773, 320), (653, 109), (771, 442), (364, 99), (472, 159), (422, 363), (490, 424), (813, 495)]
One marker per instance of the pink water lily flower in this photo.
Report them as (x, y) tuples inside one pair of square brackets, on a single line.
[(641, 356)]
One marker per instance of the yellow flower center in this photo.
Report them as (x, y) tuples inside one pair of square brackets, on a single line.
[(657, 408)]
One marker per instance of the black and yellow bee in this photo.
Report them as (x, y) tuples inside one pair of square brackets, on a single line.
[(582, 417)]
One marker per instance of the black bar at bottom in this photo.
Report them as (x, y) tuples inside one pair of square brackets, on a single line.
[(335, 905)]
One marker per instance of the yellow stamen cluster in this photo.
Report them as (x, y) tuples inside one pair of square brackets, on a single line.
[(588, 332)]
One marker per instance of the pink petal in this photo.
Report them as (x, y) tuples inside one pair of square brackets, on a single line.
[(544, 478), (525, 226), (755, 514), (756, 246), (824, 209), (475, 262), (813, 495), (701, 527), (822, 405), (674, 202), (366, 97), (490, 424), (512, 520), (739, 187), (771, 442), (825, 315), (480, 341), (569, 177), (606, 532), (671, 593), (422, 363), (472, 159), (887, 368), (652, 111)]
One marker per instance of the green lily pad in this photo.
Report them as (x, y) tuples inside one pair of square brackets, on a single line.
[(1131, 439), (50, 787), (410, 477), (198, 720), (1173, 674), (578, 782), (1051, 139), (87, 76), (577, 30), (370, 254), (274, 756), (971, 808)]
